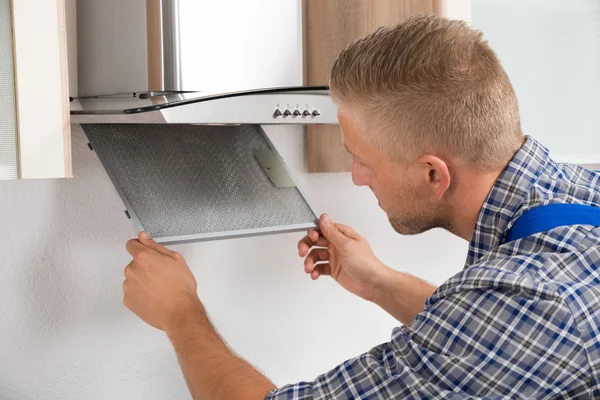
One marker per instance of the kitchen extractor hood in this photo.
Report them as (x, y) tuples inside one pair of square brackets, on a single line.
[(188, 165), (197, 166)]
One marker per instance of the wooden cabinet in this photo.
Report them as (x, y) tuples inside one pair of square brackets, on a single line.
[(331, 25), (34, 125)]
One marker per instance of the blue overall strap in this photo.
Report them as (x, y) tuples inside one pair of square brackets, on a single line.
[(544, 218)]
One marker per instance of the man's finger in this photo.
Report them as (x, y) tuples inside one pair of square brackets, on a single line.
[(314, 235), (128, 270), (314, 257), (307, 243), (320, 270), (331, 232), (134, 247), (145, 239)]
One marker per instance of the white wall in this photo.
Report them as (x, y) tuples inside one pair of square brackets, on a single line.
[(551, 52), (64, 333)]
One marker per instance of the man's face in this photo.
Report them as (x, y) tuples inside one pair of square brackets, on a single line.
[(401, 188)]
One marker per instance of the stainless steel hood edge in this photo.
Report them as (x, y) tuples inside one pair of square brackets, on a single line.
[(291, 105)]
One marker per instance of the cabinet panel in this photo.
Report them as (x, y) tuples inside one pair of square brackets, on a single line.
[(42, 94)]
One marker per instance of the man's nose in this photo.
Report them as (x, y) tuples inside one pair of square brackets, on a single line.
[(359, 176)]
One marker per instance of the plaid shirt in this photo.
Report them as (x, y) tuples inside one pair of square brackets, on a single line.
[(522, 320)]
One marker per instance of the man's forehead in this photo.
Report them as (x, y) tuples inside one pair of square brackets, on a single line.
[(353, 136)]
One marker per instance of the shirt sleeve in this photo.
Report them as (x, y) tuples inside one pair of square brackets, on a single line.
[(473, 343)]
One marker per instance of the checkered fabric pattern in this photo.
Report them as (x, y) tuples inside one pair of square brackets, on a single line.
[(522, 320)]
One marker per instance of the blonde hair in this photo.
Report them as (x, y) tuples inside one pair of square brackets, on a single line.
[(430, 85)]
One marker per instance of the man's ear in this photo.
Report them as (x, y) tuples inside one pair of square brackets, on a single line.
[(436, 173)]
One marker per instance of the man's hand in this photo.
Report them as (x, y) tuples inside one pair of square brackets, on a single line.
[(159, 286), (347, 255)]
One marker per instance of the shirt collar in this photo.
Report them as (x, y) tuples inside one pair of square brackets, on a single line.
[(506, 198)]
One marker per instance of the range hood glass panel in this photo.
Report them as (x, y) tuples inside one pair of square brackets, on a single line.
[(185, 183), (131, 103)]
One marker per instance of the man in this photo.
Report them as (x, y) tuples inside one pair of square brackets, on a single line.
[(433, 124)]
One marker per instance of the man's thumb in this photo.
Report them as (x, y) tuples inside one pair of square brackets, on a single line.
[(145, 239), (330, 231)]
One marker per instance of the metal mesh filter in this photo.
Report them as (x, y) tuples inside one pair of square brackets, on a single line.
[(8, 129), (195, 182)]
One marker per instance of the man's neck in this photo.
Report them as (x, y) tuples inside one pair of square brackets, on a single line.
[(471, 192)]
